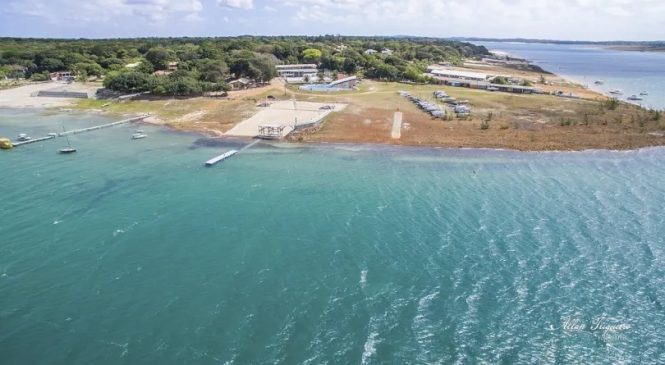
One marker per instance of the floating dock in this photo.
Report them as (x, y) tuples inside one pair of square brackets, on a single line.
[(20, 143), (125, 121), (222, 157)]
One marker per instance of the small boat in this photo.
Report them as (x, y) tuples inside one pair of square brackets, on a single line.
[(616, 92), (634, 98), (599, 82), (644, 93), (139, 135), (66, 150), (69, 149), (23, 137)]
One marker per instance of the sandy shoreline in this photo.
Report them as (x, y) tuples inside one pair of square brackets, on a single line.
[(519, 123), (25, 96)]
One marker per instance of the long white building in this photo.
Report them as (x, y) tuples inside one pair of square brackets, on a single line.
[(298, 70)]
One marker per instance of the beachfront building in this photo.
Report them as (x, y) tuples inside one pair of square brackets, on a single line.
[(460, 78), (298, 73), (298, 70)]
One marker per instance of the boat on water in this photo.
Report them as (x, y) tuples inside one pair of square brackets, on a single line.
[(69, 149), (23, 137), (66, 150), (644, 93), (139, 135), (616, 92), (634, 98), (599, 82)]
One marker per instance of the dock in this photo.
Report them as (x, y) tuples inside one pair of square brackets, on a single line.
[(222, 157), (21, 143), (108, 125)]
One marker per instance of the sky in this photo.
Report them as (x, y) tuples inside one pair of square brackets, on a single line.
[(596, 20)]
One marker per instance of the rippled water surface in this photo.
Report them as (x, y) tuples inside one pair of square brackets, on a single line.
[(132, 252)]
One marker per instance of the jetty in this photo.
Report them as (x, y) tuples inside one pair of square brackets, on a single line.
[(108, 125), (222, 157), (21, 143)]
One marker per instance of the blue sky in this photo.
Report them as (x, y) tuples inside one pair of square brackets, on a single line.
[(560, 19)]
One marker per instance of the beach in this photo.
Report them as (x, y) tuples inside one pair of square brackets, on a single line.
[(25, 96), (577, 120)]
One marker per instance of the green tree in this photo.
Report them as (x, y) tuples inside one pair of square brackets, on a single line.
[(160, 57), (311, 55)]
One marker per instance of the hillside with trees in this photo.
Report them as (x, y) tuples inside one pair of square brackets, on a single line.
[(191, 66)]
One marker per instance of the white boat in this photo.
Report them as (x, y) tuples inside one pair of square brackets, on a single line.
[(139, 135), (24, 137), (616, 92), (69, 148), (634, 98)]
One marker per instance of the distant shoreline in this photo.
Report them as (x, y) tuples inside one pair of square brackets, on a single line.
[(632, 46)]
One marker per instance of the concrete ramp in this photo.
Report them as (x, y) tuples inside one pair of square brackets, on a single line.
[(396, 132)]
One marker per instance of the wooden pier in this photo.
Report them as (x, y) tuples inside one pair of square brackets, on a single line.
[(21, 143), (125, 121), (222, 157)]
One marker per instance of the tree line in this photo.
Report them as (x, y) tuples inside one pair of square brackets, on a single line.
[(206, 64)]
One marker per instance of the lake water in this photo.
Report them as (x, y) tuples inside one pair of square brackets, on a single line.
[(630, 72), (131, 252)]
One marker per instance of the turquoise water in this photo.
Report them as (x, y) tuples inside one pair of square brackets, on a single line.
[(131, 252), (630, 72)]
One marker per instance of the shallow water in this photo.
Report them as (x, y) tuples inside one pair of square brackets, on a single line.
[(132, 252), (630, 72)]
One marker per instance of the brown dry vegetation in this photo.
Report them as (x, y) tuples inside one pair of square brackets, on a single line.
[(521, 122)]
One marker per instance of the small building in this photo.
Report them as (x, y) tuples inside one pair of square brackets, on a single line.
[(61, 76), (173, 66), (370, 52), (387, 52), (242, 83), (133, 65), (162, 73)]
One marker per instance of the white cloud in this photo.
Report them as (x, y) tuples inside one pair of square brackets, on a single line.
[(236, 4), (500, 18), (153, 11)]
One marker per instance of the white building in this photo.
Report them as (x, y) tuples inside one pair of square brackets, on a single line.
[(387, 52), (370, 51), (462, 76), (297, 70)]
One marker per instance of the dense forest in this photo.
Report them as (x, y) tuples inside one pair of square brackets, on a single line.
[(206, 64)]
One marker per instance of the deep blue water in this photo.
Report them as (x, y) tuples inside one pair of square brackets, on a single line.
[(630, 72), (131, 252)]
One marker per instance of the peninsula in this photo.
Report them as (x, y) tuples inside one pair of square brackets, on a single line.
[(449, 93)]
